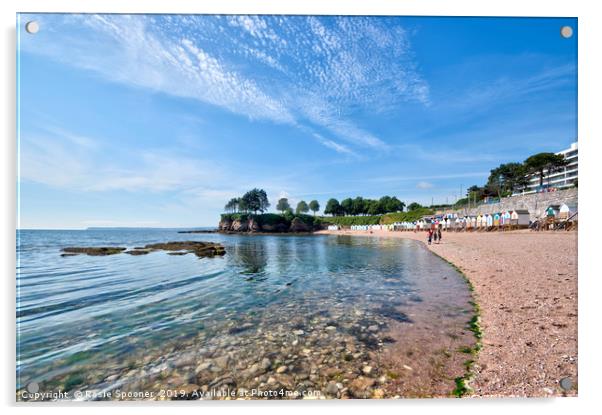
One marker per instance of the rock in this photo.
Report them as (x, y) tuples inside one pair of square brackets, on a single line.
[(222, 382), (373, 328), (265, 363), (138, 251), (297, 225), (332, 388), (298, 332), (360, 387), (186, 360), (406, 367), (205, 366), (332, 372), (281, 369), (223, 361), (378, 394), (367, 370), (330, 328), (225, 225), (94, 250), (253, 371), (239, 226), (200, 249), (285, 381), (254, 225)]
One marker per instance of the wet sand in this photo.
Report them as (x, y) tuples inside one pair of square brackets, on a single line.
[(526, 286)]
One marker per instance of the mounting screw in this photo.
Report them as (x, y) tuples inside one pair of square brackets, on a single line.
[(32, 27)]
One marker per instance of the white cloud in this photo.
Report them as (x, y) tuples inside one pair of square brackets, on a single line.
[(424, 185), (63, 159), (319, 65), (339, 148)]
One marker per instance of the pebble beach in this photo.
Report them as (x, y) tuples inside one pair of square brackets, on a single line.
[(525, 284)]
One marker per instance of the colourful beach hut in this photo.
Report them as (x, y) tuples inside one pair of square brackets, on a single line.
[(473, 221), (552, 211), (480, 224), (488, 220), (520, 217), (505, 218), (496, 220), (566, 211)]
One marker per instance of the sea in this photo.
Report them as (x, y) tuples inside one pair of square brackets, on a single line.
[(284, 307)]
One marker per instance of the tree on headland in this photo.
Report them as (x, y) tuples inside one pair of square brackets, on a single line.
[(242, 205), (256, 200), (539, 163), (414, 206), (333, 208), (314, 206), (232, 205), (283, 205), (302, 207)]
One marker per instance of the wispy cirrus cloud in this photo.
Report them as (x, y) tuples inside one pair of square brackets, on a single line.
[(298, 70), (503, 89), (63, 159), (339, 148)]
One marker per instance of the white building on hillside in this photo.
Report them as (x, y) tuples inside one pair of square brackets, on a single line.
[(560, 179)]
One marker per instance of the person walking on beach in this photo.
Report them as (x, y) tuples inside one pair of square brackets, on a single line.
[(439, 233), (435, 236), (430, 235)]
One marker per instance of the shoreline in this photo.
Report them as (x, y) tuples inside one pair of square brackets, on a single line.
[(525, 289)]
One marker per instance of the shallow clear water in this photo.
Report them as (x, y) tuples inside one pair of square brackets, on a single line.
[(107, 318)]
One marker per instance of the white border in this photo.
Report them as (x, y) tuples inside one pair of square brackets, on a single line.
[(590, 35)]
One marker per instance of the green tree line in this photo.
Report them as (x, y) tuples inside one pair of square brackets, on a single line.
[(360, 206), (508, 178)]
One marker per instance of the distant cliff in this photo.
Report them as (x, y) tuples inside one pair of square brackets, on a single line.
[(268, 223)]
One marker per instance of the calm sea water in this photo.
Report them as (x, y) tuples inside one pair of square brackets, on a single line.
[(100, 314)]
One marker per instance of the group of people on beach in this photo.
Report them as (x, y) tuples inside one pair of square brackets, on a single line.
[(434, 233)]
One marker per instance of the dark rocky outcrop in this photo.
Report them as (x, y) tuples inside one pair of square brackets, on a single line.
[(268, 223), (239, 226), (297, 225), (92, 250), (200, 249)]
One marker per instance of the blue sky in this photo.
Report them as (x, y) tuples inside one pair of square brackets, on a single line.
[(160, 120)]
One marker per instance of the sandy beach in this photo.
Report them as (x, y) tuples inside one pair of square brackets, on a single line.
[(525, 284)]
